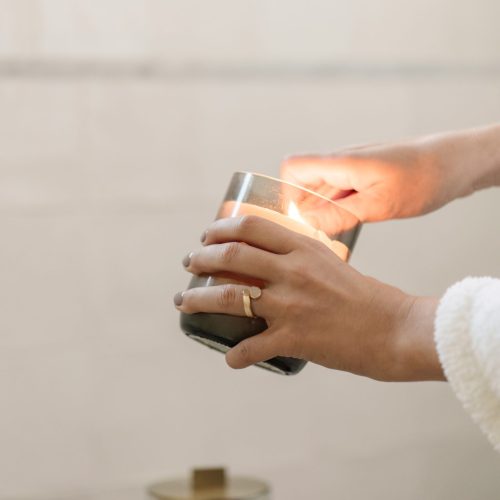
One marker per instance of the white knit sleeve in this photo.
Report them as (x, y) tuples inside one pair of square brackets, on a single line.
[(467, 333)]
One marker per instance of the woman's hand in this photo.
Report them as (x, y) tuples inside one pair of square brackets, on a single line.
[(374, 183), (317, 307), (401, 180)]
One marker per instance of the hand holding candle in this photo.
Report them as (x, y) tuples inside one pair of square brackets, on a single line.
[(316, 306), (276, 201), (313, 306)]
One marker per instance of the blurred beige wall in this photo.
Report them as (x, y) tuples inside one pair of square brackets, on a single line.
[(120, 125)]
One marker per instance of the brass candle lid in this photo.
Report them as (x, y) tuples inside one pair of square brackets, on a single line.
[(210, 484)]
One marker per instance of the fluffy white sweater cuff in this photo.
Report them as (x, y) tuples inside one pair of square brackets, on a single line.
[(467, 333)]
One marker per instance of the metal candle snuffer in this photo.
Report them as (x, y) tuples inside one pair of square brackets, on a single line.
[(279, 202)]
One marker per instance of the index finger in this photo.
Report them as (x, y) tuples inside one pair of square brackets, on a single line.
[(255, 231)]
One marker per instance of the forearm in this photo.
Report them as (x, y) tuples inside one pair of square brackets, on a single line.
[(469, 160)]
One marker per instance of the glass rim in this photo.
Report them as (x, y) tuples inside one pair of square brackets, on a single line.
[(301, 188)]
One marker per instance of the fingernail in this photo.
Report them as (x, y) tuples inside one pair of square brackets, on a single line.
[(178, 298), (204, 237), (187, 259)]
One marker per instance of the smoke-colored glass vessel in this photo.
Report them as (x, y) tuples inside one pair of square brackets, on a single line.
[(299, 210)]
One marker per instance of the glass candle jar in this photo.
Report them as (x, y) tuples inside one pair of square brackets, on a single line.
[(284, 204)]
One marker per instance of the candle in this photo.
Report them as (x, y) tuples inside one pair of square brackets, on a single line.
[(276, 201)]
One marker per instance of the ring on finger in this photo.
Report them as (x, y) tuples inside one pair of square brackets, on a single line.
[(249, 294)]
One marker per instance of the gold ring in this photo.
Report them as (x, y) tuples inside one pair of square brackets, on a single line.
[(254, 293)]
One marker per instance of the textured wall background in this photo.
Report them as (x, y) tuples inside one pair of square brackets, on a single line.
[(120, 125)]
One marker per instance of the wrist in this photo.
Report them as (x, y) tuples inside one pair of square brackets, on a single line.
[(465, 161), (415, 355), (486, 142)]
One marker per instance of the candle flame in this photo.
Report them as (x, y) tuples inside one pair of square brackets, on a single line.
[(293, 213)]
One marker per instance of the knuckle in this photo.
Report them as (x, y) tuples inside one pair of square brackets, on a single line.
[(299, 275), (287, 310), (226, 296), (246, 223), (311, 246), (291, 309), (315, 244), (229, 251), (287, 268)]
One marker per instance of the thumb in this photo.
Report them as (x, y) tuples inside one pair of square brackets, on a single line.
[(260, 347)]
